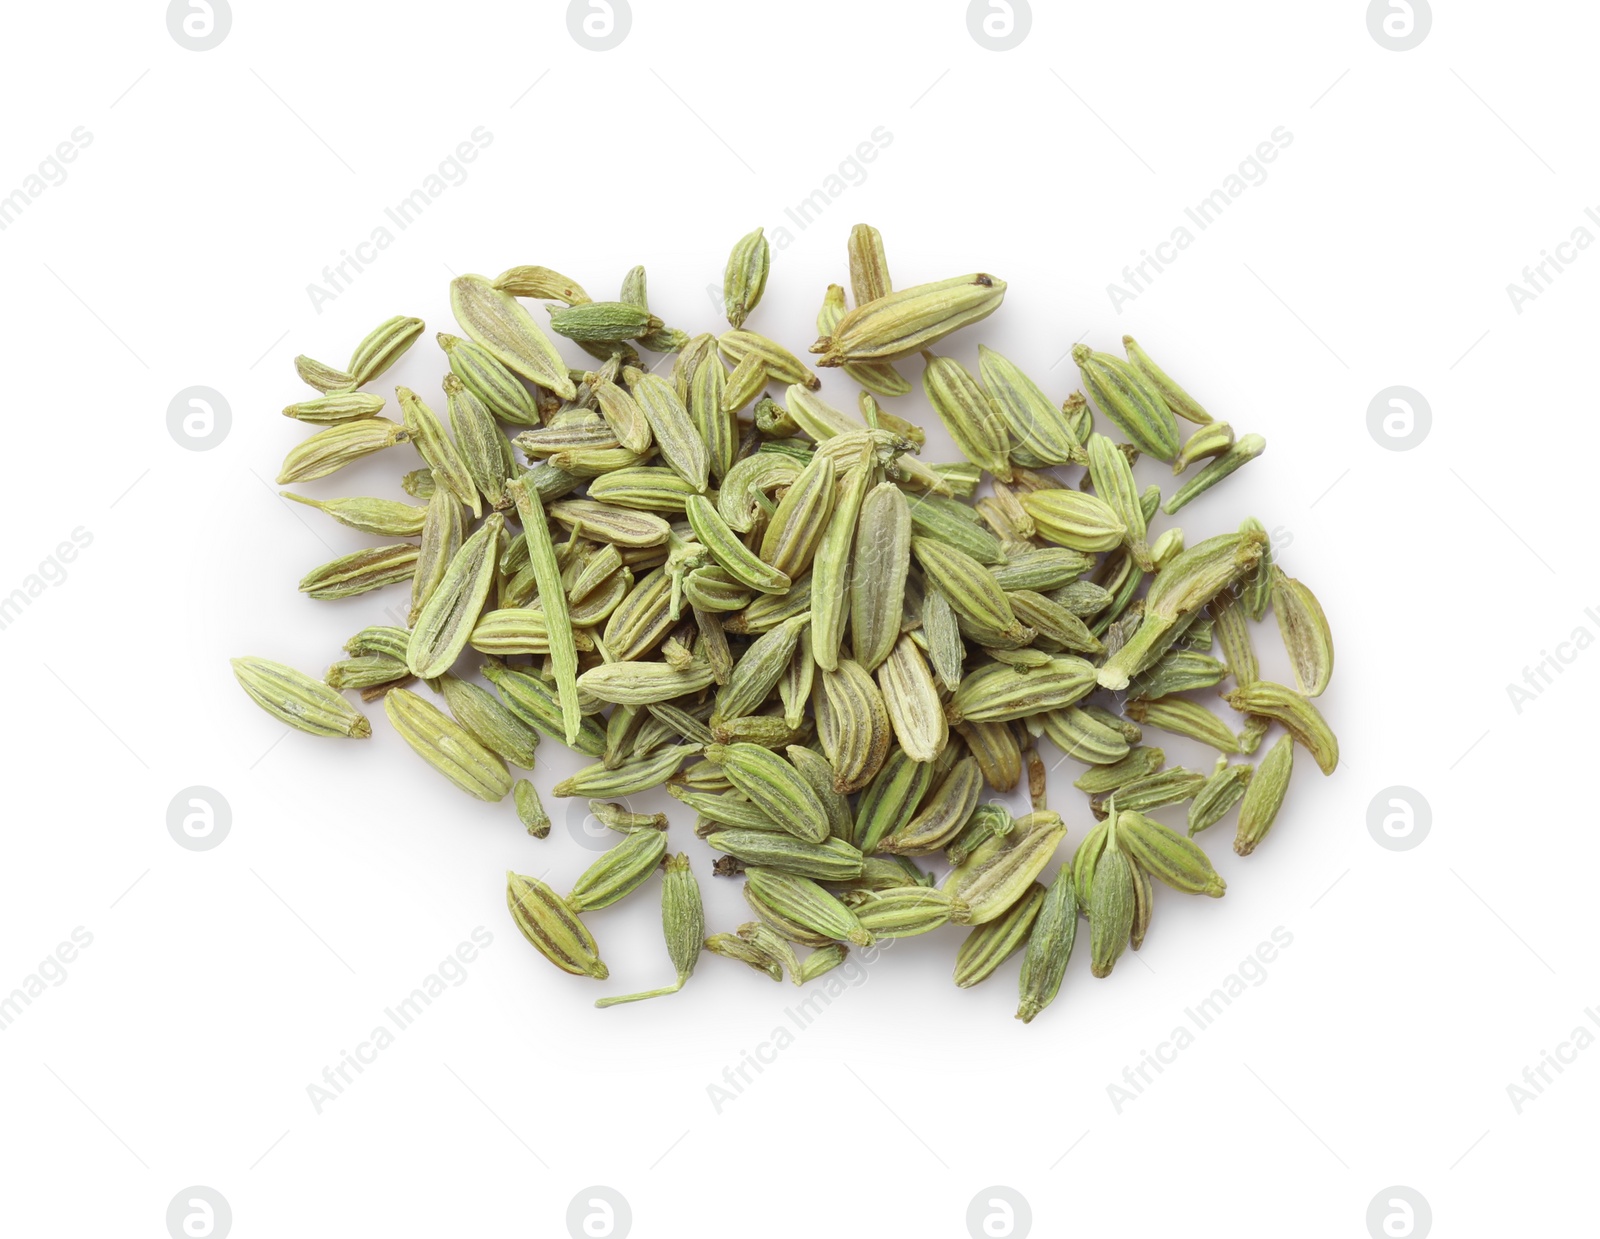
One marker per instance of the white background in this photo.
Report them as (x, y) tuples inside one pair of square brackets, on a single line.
[(178, 251)]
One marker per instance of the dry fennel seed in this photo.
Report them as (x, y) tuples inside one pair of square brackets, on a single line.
[(707, 577)]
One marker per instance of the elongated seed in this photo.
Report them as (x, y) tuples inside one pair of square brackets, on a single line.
[(801, 902), (1042, 431), (446, 623), (683, 925), (1305, 632), (490, 721), (495, 320), (1302, 719), (775, 786), (990, 944), (796, 527), (878, 573), (447, 746), (853, 724), (1264, 796), (639, 774), (736, 558), (619, 871), (553, 600), (831, 568), (912, 700), (337, 446), (1050, 942), (360, 572), (295, 698), (910, 320), (746, 276), (553, 927), (676, 438), (970, 588)]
